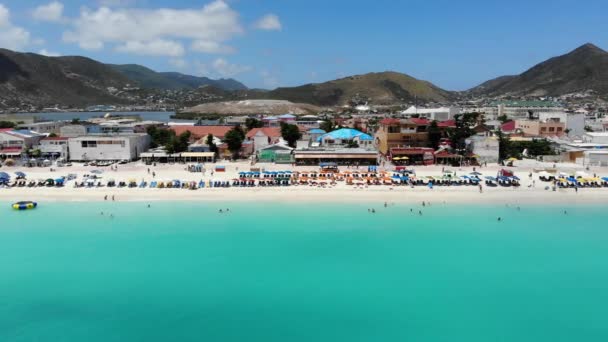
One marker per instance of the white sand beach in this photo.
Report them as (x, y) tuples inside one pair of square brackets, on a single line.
[(531, 191)]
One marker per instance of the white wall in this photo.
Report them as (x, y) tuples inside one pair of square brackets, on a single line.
[(121, 148)]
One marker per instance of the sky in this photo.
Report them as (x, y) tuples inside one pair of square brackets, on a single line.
[(270, 43)]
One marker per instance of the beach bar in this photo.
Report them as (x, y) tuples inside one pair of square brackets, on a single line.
[(347, 156)]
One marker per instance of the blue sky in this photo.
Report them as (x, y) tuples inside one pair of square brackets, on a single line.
[(454, 44)]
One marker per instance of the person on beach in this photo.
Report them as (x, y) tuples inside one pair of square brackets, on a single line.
[(105, 198), (420, 212), (148, 170), (153, 174), (385, 204), (112, 198), (480, 188), (423, 204)]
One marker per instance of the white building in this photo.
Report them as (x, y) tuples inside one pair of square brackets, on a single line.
[(485, 147), (575, 122), (44, 127), (54, 147), (596, 137), (522, 109), (438, 114), (108, 147)]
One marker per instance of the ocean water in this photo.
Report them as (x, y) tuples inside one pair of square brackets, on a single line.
[(308, 272)]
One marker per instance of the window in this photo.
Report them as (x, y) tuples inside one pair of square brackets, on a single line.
[(551, 129)]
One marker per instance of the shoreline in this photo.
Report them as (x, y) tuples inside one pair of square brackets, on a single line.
[(458, 195)]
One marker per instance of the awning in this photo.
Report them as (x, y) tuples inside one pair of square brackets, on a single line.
[(10, 152), (198, 154), (336, 156)]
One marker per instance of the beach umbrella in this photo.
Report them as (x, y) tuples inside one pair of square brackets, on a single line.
[(20, 174), (515, 177), (476, 173), (512, 159), (4, 175)]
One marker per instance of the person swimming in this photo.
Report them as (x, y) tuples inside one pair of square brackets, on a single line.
[(373, 211), (499, 219)]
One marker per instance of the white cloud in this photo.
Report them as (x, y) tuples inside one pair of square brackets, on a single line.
[(47, 53), (178, 63), (269, 22), (269, 80), (224, 68), (52, 12), (207, 46), (209, 27), (158, 47), (11, 37), (116, 3)]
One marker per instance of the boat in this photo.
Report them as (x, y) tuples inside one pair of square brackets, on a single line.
[(25, 205)]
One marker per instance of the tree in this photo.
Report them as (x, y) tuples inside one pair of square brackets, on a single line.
[(291, 134), (7, 124), (504, 145), (52, 135), (327, 125), (503, 118), (75, 121), (434, 134), (234, 139), (212, 146), (251, 123), (179, 143), (159, 136), (464, 129)]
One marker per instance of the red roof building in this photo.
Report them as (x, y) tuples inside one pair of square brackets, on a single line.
[(199, 132), (271, 132), (508, 126)]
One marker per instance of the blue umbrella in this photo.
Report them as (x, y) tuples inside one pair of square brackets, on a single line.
[(4, 175), (20, 174), (515, 177), (490, 178), (605, 179)]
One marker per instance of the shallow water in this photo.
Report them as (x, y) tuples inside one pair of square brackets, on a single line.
[(283, 272)]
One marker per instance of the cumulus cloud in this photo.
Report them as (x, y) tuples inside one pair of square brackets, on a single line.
[(11, 37), (211, 47), (48, 53), (224, 68), (51, 12), (143, 29), (158, 47), (269, 22), (178, 63)]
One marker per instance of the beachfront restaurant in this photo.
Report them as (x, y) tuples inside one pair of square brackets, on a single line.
[(412, 155), (347, 156), (160, 156)]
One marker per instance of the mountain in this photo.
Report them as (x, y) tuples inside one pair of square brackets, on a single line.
[(47, 81), (581, 70), (378, 88), (148, 78)]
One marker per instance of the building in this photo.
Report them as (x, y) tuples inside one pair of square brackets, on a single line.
[(108, 147), (277, 153), (265, 136), (199, 132), (346, 137), (575, 122), (595, 137), (21, 140), (412, 155), (47, 127), (538, 128), (54, 148), (401, 133), (340, 156), (77, 130), (484, 147), (525, 109), (438, 114)]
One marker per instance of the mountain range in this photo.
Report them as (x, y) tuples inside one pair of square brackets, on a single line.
[(79, 81), (148, 78), (581, 70)]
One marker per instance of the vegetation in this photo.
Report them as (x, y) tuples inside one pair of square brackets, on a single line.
[(327, 125), (234, 139), (251, 123), (7, 124), (503, 118), (463, 130), (179, 143), (196, 116), (159, 136), (435, 134), (212, 146), (291, 134), (52, 135), (515, 149)]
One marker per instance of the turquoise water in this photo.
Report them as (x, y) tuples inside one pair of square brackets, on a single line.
[(280, 272)]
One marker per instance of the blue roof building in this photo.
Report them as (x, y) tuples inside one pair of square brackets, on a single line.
[(346, 136)]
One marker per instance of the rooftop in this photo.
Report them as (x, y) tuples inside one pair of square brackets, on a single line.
[(273, 132), (346, 134)]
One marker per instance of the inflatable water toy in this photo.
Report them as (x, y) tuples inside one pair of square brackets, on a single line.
[(25, 205)]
